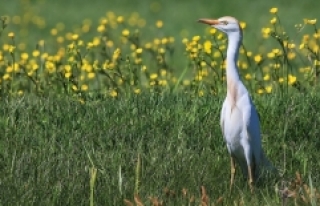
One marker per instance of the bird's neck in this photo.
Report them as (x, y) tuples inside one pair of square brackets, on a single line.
[(232, 72), (233, 78)]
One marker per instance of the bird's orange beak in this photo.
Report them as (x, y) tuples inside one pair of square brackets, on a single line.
[(209, 21)]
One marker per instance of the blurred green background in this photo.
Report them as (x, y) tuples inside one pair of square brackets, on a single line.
[(179, 16), (179, 19)]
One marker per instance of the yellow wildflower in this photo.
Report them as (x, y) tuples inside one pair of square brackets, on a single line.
[(20, 92), (144, 68), (213, 63), (244, 65), (157, 41), (75, 37), (281, 80), (125, 32), (84, 87), (101, 28), (216, 54), (276, 51), (116, 54), (120, 19), (266, 77), (113, 93), (24, 56), (291, 55), (6, 77), (161, 51), (260, 91), (159, 24), (207, 46), (60, 39), (248, 76), (258, 58), (198, 78), (186, 82), (164, 41), (268, 89), (273, 20), (11, 35), (154, 76), (184, 40), (54, 32), (67, 68), (89, 45), (291, 46), (109, 43), (243, 25), (137, 91), (276, 66), (213, 31), (291, 79), (139, 50), (96, 41), (163, 82), (220, 36), (11, 48), (148, 45), (9, 69), (266, 30), (91, 75), (307, 69), (271, 55), (74, 88), (305, 38), (274, 10), (67, 75), (315, 48), (171, 39), (310, 21), (200, 93), (196, 38), (152, 83), (163, 72)]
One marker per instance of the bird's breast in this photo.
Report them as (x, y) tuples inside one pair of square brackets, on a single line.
[(233, 125)]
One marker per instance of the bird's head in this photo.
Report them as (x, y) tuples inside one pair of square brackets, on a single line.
[(228, 25)]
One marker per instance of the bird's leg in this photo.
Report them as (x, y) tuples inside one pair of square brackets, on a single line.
[(250, 172), (233, 171)]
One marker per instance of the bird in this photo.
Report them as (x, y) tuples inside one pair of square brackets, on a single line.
[(239, 119)]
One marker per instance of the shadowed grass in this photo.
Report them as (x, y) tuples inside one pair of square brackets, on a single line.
[(50, 145)]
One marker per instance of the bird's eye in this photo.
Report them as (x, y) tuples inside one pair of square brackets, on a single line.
[(224, 22)]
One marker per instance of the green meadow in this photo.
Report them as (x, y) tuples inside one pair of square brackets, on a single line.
[(118, 102)]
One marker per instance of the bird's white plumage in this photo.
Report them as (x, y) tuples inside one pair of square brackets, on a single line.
[(240, 128), (239, 119)]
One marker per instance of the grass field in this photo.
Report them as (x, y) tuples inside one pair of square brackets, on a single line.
[(100, 101), (50, 145)]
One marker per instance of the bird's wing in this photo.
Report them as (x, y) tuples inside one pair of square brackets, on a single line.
[(251, 120), (222, 115)]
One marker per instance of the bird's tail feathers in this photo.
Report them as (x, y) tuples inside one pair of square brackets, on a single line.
[(267, 165)]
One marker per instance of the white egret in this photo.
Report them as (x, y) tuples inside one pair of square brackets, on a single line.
[(239, 119)]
